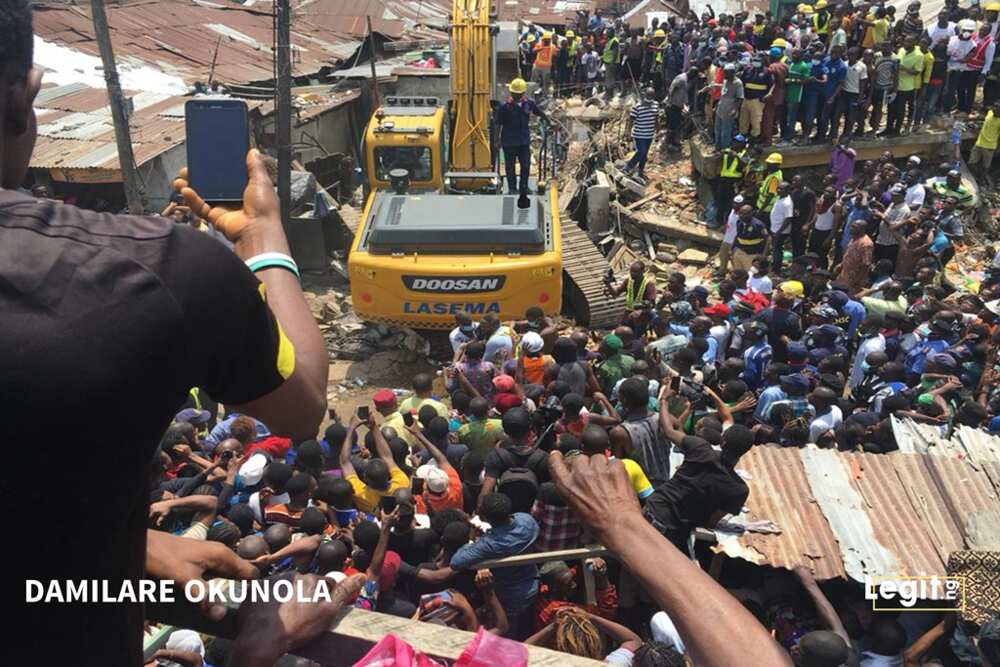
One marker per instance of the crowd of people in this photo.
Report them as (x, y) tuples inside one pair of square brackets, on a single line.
[(818, 73), (535, 437)]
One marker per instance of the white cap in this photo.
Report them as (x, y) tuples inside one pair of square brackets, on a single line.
[(252, 471), (532, 342), (434, 478), (185, 640), (993, 306), (336, 575)]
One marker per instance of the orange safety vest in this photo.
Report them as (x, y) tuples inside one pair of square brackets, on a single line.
[(977, 58), (534, 369), (543, 56)]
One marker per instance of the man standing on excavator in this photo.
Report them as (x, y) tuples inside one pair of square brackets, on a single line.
[(513, 118)]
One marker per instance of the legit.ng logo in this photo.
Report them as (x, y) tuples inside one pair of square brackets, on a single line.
[(916, 593)]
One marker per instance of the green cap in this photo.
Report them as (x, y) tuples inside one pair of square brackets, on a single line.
[(613, 342)]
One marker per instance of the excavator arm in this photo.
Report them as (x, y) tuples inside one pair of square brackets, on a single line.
[(472, 71)]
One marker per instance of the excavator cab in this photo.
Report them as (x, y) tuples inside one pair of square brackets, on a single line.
[(407, 133)]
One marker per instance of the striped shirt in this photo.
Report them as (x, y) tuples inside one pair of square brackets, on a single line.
[(755, 361), (643, 117)]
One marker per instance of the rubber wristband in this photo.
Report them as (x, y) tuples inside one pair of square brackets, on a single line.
[(288, 265), (269, 255)]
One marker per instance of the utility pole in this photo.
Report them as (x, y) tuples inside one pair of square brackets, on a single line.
[(283, 105), (134, 195), (371, 46)]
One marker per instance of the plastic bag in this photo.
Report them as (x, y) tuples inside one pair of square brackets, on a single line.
[(489, 650), (391, 651)]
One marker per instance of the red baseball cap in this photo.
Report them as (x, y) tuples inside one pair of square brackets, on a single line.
[(383, 397), (718, 309)]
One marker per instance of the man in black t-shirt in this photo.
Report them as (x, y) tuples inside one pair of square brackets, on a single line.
[(704, 488), (125, 314), (518, 451)]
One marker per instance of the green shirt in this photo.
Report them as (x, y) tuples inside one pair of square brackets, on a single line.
[(913, 60), (481, 435), (793, 91), (613, 369), (414, 403)]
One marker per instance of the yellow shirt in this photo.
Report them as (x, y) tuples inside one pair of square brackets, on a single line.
[(928, 67), (638, 478), (366, 498), (880, 30), (989, 133), (912, 60), (414, 403)]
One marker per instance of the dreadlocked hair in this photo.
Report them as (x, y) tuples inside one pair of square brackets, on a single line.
[(577, 635)]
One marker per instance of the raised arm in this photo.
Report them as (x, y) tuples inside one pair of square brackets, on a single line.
[(381, 446), (704, 612), (439, 457), (300, 547), (827, 614), (346, 467)]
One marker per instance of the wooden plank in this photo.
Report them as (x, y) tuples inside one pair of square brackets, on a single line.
[(648, 198), (593, 551)]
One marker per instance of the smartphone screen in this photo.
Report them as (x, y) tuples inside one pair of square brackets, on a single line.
[(388, 503), (363, 413), (675, 382), (332, 412), (417, 485), (218, 139), (408, 418)]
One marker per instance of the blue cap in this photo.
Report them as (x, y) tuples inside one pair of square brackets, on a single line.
[(797, 353), (795, 380), (775, 52), (740, 138), (836, 298), (193, 416), (829, 330)]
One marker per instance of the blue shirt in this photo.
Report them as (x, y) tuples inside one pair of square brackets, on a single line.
[(516, 587), (817, 71), (768, 397), (835, 73), (514, 119), (856, 311), (755, 361), (221, 432), (914, 362)]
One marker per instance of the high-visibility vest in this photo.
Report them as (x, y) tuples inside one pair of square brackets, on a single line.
[(633, 296), (732, 163), (609, 51), (543, 56), (573, 44), (821, 29), (765, 199), (977, 58)]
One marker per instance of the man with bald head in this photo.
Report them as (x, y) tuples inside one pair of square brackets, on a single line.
[(820, 648)]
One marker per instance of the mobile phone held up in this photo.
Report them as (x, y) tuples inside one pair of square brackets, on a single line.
[(218, 140), (364, 413)]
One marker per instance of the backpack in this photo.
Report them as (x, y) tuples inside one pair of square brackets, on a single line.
[(519, 482)]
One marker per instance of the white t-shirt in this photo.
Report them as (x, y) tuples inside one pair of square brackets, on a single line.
[(856, 73), (762, 285), (721, 333), (456, 337), (869, 345), (662, 629), (939, 34), (825, 422), (783, 209), (915, 195)]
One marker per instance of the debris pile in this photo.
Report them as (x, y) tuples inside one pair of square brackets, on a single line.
[(657, 218), (347, 337)]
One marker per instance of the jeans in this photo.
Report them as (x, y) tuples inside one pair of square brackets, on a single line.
[(927, 106), (791, 117), (826, 110), (641, 152), (961, 90), (817, 244), (723, 131), (852, 108), (511, 156), (878, 100), (810, 112), (724, 198)]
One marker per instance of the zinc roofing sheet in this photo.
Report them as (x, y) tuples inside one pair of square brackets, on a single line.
[(856, 515)]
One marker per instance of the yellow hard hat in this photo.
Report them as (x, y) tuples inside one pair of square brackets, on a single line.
[(546, 35), (530, 38), (792, 287), (993, 7), (659, 33), (805, 9), (780, 43), (570, 33), (774, 158), (518, 86), (821, 4)]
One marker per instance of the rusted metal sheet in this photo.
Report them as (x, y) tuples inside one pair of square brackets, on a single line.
[(779, 492), (852, 515)]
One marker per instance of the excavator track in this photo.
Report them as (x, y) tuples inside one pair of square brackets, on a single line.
[(584, 267)]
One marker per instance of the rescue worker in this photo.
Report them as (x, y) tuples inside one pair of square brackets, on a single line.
[(640, 294), (526, 53), (542, 67), (767, 193), (513, 119), (757, 82), (572, 60), (821, 21), (611, 59), (782, 44), (751, 239), (653, 68), (731, 174)]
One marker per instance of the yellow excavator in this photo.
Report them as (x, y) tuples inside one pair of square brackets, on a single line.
[(437, 236)]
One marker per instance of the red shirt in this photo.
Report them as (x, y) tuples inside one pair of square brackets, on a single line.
[(273, 445)]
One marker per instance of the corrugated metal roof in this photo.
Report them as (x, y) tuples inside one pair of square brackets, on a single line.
[(855, 515), (180, 38)]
